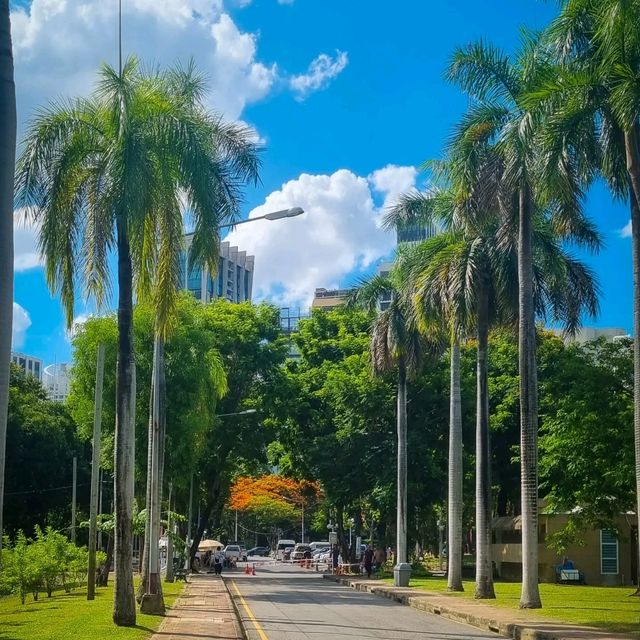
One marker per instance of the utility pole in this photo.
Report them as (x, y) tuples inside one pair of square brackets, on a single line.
[(169, 573), (95, 473), (236, 538), (190, 518), (73, 499), (100, 492)]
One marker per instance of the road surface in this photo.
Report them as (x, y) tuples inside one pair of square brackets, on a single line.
[(284, 602)]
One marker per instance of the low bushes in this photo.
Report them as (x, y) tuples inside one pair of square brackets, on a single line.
[(43, 564)]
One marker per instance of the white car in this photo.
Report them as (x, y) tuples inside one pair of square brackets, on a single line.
[(283, 545), (232, 553), (301, 552)]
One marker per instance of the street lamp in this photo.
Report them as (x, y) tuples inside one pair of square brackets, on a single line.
[(246, 412), (275, 215)]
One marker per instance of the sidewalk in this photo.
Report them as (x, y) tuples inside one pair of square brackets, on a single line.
[(509, 623), (203, 611)]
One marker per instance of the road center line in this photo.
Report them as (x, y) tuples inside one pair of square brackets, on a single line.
[(261, 633)]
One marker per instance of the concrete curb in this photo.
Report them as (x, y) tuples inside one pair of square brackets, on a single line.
[(238, 622), (519, 630)]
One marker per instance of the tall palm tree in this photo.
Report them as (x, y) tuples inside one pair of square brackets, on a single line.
[(396, 346), (235, 156), (470, 271), (592, 102), (497, 86), (7, 164), (93, 173)]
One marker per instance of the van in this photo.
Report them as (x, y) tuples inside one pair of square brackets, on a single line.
[(319, 545), (282, 545)]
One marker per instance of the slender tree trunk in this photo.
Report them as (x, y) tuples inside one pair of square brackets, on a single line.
[(169, 574), (401, 516), (635, 237), (454, 507), (124, 604), (7, 170), (103, 579), (530, 596), (633, 169), (144, 548), (484, 566)]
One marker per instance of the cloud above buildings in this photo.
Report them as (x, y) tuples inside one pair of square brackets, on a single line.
[(59, 46), (21, 322), (338, 235)]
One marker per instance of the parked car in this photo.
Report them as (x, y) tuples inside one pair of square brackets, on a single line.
[(259, 551), (282, 546), (232, 553), (243, 553), (286, 554), (301, 552)]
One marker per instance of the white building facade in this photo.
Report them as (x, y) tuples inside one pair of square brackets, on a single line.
[(56, 380), (29, 364)]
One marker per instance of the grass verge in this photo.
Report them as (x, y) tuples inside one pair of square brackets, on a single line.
[(609, 608), (73, 617)]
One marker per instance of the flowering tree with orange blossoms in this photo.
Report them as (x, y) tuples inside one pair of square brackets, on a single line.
[(245, 490)]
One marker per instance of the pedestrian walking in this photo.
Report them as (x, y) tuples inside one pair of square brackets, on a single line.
[(368, 560)]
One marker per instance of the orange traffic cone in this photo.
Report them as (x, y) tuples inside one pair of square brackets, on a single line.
[(246, 569), (253, 571)]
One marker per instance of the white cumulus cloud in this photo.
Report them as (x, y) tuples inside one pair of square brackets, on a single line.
[(21, 322), (625, 232), (60, 44), (25, 243), (393, 181), (339, 234), (319, 74)]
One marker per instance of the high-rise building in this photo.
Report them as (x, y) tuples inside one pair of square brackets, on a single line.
[(412, 233), (589, 334), (56, 381), (29, 364), (234, 280)]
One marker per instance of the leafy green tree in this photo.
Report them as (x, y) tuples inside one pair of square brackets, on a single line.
[(41, 444), (7, 166), (109, 171), (591, 101)]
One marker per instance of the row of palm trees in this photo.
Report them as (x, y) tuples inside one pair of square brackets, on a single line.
[(116, 172), (540, 127)]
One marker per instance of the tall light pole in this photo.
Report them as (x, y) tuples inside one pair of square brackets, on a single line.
[(276, 215)]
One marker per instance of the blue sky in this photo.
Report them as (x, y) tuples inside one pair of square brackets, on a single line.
[(348, 98)]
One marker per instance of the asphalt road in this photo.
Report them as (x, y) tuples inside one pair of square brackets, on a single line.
[(284, 602)]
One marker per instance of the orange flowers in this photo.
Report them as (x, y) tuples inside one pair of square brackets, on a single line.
[(246, 490)]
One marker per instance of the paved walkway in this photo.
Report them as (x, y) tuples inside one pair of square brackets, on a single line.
[(513, 624), (204, 611)]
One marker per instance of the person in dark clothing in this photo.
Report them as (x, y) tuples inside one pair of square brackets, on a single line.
[(368, 560), (335, 552)]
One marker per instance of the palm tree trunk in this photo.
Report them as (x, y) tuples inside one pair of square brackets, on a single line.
[(7, 169), (635, 237), (484, 566), (633, 169), (124, 604), (401, 517), (530, 595), (454, 507)]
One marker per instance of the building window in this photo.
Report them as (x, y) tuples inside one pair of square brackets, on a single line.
[(36, 370), (608, 552)]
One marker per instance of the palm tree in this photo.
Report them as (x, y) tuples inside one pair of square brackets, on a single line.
[(591, 101), (7, 164), (469, 271), (236, 163), (396, 346), (94, 174), (497, 86)]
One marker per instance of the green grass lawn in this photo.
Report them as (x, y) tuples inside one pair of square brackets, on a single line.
[(605, 607), (73, 617)]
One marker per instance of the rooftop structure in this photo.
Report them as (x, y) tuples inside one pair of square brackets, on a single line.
[(329, 299), (29, 364)]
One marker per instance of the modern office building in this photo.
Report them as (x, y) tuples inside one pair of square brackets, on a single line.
[(56, 380), (329, 299), (234, 280), (30, 365), (413, 233)]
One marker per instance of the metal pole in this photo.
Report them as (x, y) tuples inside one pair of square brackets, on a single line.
[(236, 538), (73, 500), (190, 518), (95, 473), (303, 523)]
